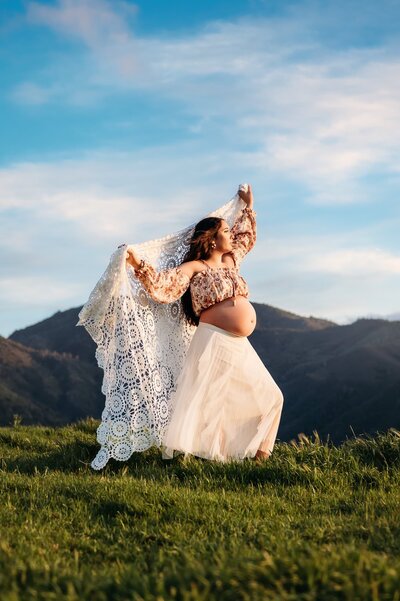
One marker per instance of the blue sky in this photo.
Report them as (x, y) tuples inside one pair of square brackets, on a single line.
[(123, 121)]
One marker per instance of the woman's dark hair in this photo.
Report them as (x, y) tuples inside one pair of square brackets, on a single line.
[(200, 247)]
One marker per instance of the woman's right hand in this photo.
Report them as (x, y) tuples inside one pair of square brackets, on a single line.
[(246, 195), (132, 258)]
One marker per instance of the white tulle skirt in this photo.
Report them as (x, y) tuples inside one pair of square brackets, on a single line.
[(226, 404)]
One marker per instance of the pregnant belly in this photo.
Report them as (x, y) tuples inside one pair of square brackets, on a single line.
[(239, 318)]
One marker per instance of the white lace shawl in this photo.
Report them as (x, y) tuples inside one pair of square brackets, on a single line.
[(141, 344)]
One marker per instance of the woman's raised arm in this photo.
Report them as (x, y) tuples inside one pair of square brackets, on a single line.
[(164, 286), (244, 230)]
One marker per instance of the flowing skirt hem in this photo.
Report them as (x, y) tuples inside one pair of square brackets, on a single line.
[(226, 406)]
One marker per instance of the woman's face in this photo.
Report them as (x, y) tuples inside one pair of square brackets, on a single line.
[(224, 238)]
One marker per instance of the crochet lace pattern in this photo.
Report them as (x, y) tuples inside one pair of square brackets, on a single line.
[(140, 344)]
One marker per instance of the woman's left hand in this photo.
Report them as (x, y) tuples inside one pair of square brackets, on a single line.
[(247, 196)]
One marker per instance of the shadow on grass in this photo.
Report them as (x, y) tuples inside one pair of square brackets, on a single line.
[(305, 462), (74, 458)]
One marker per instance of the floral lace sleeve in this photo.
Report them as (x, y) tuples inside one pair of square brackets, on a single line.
[(163, 286), (244, 234)]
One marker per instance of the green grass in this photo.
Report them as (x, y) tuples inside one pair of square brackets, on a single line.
[(314, 522)]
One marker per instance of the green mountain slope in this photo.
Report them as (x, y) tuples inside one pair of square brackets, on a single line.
[(46, 387)]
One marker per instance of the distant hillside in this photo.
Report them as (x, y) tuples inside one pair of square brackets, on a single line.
[(58, 333), (46, 387), (336, 379)]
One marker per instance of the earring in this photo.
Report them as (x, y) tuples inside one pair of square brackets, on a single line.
[(213, 245)]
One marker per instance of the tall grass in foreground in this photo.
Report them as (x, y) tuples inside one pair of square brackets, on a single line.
[(314, 522)]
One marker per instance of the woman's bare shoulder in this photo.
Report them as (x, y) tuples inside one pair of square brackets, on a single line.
[(190, 268)]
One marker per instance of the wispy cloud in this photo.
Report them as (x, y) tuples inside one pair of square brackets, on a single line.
[(106, 198), (110, 196), (267, 99), (336, 276), (32, 93), (58, 222), (36, 291), (355, 261), (340, 252), (318, 115)]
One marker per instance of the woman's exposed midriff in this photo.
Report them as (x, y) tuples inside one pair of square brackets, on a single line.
[(239, 317)]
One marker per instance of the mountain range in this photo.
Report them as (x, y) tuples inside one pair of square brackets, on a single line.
[(340, 380)]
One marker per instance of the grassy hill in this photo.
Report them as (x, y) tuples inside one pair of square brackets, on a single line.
[(315, 522)]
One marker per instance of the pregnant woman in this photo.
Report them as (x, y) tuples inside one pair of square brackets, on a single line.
[(226, 404)]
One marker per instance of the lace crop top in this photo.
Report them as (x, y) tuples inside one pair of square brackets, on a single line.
[(210, 285)]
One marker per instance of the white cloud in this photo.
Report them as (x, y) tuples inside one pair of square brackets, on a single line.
[(333, 276), (93, 22), (105, 198), (58, 222), (329, 254), (61, 221), (320, 116), (101, 26), (280, 104), (36, 291), (32, 93), (355, 261)]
